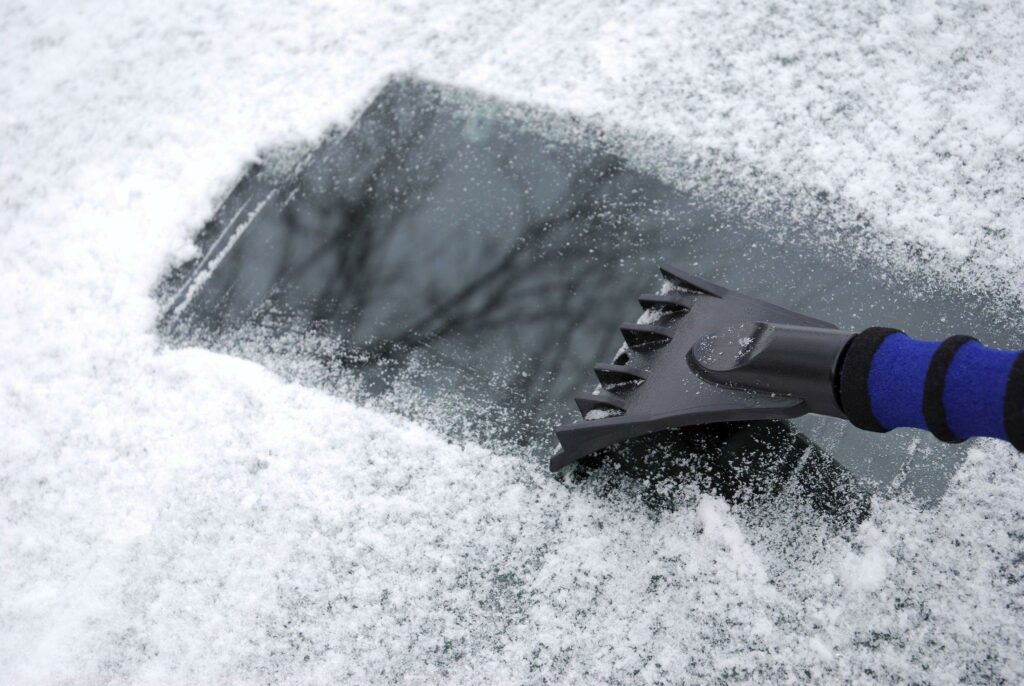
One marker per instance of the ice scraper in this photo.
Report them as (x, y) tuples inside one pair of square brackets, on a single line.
[(702, 353)]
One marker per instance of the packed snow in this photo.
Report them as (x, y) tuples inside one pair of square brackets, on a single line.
[(178, 516)]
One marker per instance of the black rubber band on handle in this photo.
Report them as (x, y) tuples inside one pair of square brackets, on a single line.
[(933, 406), (853, 379), (1013, 406)]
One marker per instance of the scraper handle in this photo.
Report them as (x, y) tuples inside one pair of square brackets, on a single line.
[(956, 388)]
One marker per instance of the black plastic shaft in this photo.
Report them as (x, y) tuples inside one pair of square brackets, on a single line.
[(798, 361)]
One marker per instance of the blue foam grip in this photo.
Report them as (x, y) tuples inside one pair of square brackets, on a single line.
[(896, 381), (966, 395), (975, 391)]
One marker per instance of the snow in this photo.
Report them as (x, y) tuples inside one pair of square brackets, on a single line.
[(177, 516)]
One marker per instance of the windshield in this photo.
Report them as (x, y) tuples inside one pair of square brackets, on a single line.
[(447, 260)]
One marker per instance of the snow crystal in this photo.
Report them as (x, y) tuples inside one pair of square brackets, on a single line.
[(173, 516)]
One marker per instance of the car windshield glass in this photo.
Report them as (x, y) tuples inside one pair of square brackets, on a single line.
[(448, 258)]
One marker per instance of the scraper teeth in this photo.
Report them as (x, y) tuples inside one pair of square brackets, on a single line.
[(639, 336), (612, 375), (689, 282), (672, 302), (602, 400)]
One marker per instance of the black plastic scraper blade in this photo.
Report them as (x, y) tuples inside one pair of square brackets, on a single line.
[(650, 385)]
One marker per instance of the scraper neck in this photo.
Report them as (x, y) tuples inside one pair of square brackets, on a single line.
[(799, 361)]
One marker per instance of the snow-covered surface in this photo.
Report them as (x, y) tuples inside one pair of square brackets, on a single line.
[(178, 516)]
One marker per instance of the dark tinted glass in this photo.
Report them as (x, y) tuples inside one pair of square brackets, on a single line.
[(470, 270)]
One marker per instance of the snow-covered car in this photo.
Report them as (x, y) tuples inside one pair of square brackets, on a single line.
[(295, 297)]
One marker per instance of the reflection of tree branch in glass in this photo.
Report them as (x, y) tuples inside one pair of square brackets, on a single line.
[(442, 248)]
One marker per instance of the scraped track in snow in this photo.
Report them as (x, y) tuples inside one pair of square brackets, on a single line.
[(178, 516)]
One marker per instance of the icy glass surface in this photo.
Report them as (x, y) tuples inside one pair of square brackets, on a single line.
[(441, 247), (172, 514)]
